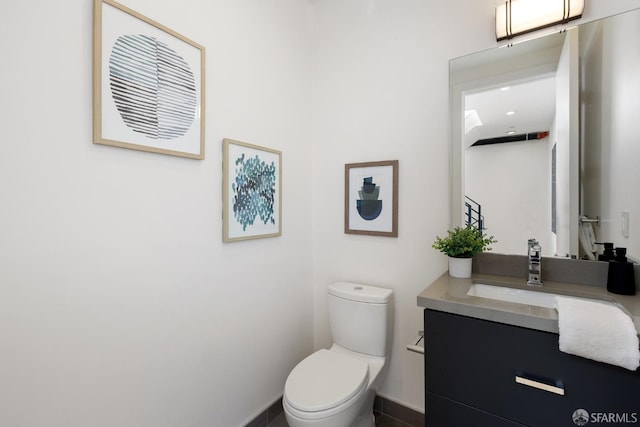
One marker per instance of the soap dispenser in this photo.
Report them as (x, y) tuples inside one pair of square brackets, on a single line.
[(620, 279), (608, 253)]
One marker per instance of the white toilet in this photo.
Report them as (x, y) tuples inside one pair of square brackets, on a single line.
[(336, 387)]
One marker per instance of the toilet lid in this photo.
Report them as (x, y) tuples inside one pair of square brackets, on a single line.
[(325, 380)]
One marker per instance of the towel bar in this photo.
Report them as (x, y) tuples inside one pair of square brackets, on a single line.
[(417, 345), (586, 220)]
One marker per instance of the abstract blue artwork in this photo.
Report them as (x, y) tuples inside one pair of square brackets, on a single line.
[(251, 191), (371, 198), (254, 191), (148, 84), (368, 205)]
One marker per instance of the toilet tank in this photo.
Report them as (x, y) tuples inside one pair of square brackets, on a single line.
[(361, 317)]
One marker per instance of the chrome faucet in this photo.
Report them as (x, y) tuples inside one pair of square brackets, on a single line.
[(534, 252)]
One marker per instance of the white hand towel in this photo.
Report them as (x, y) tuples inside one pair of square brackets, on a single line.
[(597, 331)]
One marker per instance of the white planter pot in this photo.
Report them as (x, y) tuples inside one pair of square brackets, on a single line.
[(460, 267)]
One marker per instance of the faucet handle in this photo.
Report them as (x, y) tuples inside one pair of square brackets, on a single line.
[(534, 251)]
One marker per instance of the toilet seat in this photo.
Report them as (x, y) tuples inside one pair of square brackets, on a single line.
[(325, 380)]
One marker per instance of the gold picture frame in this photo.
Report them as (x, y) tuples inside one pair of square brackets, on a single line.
[(371, 198), (251, 191), (148, 84)]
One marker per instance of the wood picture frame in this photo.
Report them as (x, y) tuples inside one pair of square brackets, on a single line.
[(371, 198), (148, 84), (251, 191)]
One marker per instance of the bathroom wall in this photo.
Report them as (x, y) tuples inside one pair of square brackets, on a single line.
[(611, 131), (567, 148), (380, 91), (513, 182), (119, 303)]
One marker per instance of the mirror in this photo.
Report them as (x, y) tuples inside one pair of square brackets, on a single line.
[(576, 98)]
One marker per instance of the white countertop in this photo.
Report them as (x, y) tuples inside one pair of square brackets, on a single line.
[(449, 294)]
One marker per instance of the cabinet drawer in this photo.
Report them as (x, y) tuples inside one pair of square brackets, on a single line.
[(441, 412), (476, 362)]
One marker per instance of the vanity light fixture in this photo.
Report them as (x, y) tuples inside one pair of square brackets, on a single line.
[(516, 17)]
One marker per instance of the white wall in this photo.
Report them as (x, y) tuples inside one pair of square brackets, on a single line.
[(119, 303), (567, 151), (612, 129), (380, 91), (512, 182)]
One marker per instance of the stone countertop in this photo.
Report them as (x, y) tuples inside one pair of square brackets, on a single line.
[(449, 294)]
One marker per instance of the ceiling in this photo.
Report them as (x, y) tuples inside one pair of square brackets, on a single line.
[(533, 103)]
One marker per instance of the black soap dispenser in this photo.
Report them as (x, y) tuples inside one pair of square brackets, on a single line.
[(607, 254), (620, 279)]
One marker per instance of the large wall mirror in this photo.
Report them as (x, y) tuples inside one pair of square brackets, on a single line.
[(545, 140)]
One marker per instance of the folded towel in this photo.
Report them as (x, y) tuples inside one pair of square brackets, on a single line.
[(597, 331)]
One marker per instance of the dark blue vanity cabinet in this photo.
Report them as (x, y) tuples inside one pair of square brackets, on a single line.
[(475, 370)]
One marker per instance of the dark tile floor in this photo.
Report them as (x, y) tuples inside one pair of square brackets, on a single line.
[(382, 420)]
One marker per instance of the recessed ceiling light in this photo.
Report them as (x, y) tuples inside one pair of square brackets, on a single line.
[(510, 113), (505, 88), (511, 132)]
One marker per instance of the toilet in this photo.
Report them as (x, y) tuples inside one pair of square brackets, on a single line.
[(337, 387)]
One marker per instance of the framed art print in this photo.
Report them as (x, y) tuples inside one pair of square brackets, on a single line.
[(148, 84), (371, 198), (252, 191)]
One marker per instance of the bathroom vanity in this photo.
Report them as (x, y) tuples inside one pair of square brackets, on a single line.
[(490, 362), (494, 361)]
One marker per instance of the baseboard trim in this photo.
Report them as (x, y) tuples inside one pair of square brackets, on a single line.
[(380, 404), (398, 411)]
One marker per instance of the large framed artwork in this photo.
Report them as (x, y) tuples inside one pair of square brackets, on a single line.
[(371, 198), (148, 84), (252, 191)]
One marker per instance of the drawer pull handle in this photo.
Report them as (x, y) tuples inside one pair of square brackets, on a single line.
[(539, 385)]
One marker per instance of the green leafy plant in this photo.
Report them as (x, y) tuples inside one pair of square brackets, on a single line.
[(463, 242)]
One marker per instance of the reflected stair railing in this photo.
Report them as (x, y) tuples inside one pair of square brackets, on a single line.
[(473, 213)]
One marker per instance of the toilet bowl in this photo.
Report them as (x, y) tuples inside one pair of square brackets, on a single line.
[(337, 387), (333, 388)]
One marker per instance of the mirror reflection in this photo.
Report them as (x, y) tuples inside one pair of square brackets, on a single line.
[(546, 133)]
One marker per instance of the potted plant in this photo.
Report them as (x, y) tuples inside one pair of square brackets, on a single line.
[(460, 245)]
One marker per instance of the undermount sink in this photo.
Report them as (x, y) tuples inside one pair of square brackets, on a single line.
[(521, 296)]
